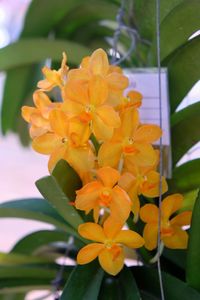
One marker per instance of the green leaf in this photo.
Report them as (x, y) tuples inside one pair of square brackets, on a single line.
[(193, 257), (68, 180), (186, 15), (29, 51), (19, 82), (184, 69), (185, 132), (186, 177), (34, 209), (128, 285), (32, 242), (37, 21), (16, 259), (174, 288), (83, 283), (51, 190), (29, 277), (145, 15), (110, 288)]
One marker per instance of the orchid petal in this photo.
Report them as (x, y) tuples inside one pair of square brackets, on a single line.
[(117, 81), (108, 176), (109, 154), (178, 240), (149, 213), (59, 122), (46, 143), (98, 90), (171, 204), (100, 129), (148, 133), (182, 219), (120, 206), (109, 116), (98, 63), (89, 253), (112, 227), (92, 231), (129, 238), (112, 265), (150, 236), (151, 187)]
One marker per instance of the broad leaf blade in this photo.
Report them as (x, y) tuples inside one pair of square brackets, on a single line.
[(128, 285), (32, 242), (67, 178), (193, 257), (185, 132), (184, 69), (186, 177), (186, 15), (34, 209), (52, 192), (174, 288), (29, 51), (84, 283)]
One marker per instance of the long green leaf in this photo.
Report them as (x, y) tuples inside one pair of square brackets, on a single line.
[(193, 257), (29, 51), (68, 180), (34, 209), (186, 177), (185, 132), (184, 69), (174, 288), (84, 283), (29, 277), (53, 193), (38, 22), (19, 82), (32, 242), (128, 285), (16, 259), (186, 15), (145, 15)]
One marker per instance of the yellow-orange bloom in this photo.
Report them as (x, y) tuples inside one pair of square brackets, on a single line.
[(68, 141), (54, 78), (108, 245), (88, 103), (141, 181), (172, 232), (132, 99), (38, 116), (104, 193), (97, 65), (131, 141)]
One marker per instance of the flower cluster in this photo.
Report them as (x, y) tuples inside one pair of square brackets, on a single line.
[(97, 130)]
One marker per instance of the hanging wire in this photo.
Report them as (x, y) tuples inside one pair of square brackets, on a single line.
[(132, 34), (160, 246), (57, 282)]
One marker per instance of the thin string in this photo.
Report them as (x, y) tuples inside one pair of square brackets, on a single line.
[(131, 32), (161, 146)]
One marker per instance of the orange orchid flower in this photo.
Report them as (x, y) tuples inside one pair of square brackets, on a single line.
[(54, 78), (132, 99), (172, 233), (38, 116), (68, 141), (88, 103), (131, 142), (108, 245), (104, 193), (143, 181), (97, 65)]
